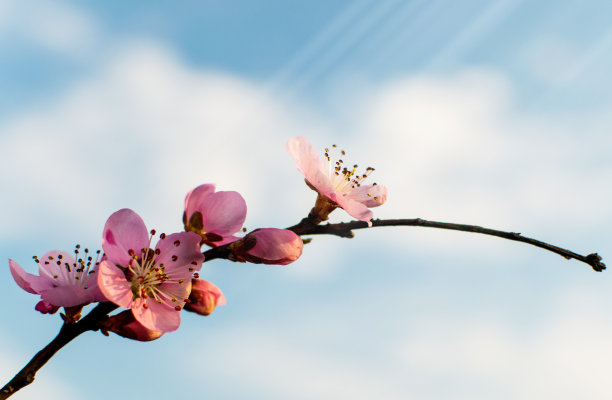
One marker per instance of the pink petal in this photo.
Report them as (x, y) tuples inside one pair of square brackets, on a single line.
[(124, 230), (49, 268), (223, 213), (310, 164), (195, 197), (26, 280), (369, 195), (179, 252), (355, 209), (67, 296), (276, 246), (113, 285), (178, 291), (157, 317)]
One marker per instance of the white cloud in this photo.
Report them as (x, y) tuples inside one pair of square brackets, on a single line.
[(563, 356), (146, 128), (54, 25), (47, 385)]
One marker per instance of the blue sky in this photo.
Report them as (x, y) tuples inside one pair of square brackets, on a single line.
[(494, 113)]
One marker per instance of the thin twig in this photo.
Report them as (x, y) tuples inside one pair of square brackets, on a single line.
[(345, 229), (67, 333)]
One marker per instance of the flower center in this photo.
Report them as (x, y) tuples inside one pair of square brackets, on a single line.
[(147, 276), (77, 271), (342, 178)]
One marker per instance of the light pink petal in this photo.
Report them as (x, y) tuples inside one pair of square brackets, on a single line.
[(67, 296), (179, 252), (195, 197), (124, 230), (52, 266), (178, 291), (369, 195), (223, 213), (355, 209), (27, 281), (157, 317), (113, 285), (96, 294), (310, 164), (276, 246)]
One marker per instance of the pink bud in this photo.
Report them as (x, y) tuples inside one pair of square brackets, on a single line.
[(45, 307), (124, 324), (204, 297), (269, 246)]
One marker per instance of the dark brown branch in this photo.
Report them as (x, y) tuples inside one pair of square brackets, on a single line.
[(345, 229), (67, 333)]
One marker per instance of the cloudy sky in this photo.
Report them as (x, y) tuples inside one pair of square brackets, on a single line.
[(495, 113)]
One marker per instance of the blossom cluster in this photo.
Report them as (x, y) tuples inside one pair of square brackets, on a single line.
[(154, 282)]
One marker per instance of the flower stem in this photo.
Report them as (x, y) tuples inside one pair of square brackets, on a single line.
[(67, 333)]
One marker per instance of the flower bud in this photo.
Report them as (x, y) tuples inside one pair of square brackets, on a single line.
[(268, 246), (46, 307), (204, 297), (124, 324)]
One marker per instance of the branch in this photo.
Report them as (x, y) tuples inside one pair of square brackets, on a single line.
[(68, 332), (345, 229)]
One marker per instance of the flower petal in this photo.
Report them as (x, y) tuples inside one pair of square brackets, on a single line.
[(195, 197), (67, 296), (124, 230), (113, 285), (355, 209), (223, 213), (25, 280), (369, 195), (179, 252), (155, 316), (310, 164), (53, 266)]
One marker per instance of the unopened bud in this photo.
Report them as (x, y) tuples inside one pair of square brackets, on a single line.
[(268, 246), (46, 307), (125, 325), (204, 297)]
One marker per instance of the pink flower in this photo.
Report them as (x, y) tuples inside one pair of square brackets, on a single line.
[(214, 216), (62, 280), (336, 183), (154, 284), (204, 297), (268, 246)]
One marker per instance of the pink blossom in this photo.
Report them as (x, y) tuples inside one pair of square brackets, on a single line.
[(154, 284), (337, 183), (62, 280), (204, 297), (215, 216), (268, 246)]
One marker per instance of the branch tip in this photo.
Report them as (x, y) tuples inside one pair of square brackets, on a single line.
[(594, 260)]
